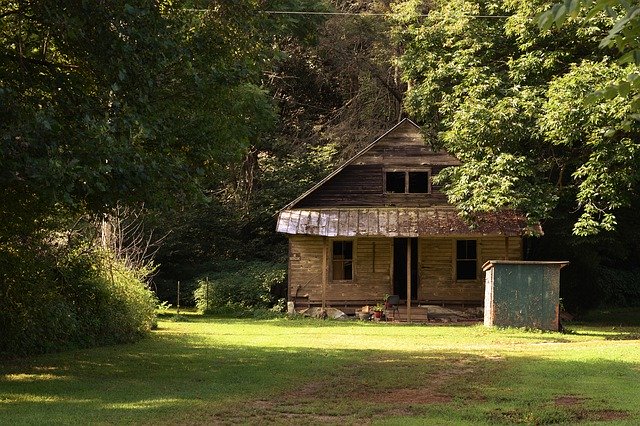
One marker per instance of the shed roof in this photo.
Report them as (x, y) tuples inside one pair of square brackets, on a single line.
[(548, 263), (400, 222)]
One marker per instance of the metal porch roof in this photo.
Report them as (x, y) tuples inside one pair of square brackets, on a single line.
[(400, 222)]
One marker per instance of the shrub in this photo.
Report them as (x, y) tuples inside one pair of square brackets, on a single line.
[(244, 285), (57, 298), (619, 287)]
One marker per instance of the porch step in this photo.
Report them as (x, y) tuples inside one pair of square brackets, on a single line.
[(436, 314)]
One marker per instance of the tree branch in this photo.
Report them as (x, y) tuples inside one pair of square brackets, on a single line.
[(21, 58), (9, 13)]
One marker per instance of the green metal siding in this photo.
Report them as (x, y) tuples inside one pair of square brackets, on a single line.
[(522, 294)]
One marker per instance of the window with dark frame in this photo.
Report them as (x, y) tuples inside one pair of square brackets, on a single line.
[(342, 260), (395, 182), (418, 182), (407, 182), (466, 260)]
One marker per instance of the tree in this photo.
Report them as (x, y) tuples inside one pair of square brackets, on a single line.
[(609, 176), (498, 91), (107, 104)]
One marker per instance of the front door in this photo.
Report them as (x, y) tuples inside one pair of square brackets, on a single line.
[(400, 267)]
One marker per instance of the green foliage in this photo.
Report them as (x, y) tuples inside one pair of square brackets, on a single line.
[(606, 172), (246, 285), (618, 288), (515, 104), (56, 299)]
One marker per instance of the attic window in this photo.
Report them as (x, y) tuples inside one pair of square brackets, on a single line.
[(396, 182), (407, 182)]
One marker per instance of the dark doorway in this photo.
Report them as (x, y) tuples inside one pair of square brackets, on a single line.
[(400, 267)]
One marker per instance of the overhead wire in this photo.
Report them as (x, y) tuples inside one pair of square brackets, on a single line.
[(311, 12), (317, 12)]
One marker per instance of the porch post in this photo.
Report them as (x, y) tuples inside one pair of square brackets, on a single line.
[(325, 272), (408, 279)]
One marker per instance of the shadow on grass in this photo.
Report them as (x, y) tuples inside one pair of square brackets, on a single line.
[(185, 379)]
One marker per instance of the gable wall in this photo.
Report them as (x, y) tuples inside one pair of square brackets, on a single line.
[(361, 182)]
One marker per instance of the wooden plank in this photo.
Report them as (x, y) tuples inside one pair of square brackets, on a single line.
[(403, 223), (383, 222), (413, 223), (325, 271)]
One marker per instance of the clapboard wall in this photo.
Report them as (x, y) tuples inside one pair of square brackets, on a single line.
[(373, 269)]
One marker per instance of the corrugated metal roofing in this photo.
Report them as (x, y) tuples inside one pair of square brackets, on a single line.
[(399, 222)]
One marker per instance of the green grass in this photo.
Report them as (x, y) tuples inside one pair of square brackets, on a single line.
[(230, 371)]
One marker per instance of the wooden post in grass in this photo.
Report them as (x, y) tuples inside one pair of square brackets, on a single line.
[(178, 311), (408, 279), (325, 272)]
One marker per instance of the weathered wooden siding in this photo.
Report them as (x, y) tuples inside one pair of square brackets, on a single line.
[(372, 270), (373, 258), (361, 182), (437, 267)]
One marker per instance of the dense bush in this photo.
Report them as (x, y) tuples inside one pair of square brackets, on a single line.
[(55, 299), (243, 285), (619, 287)]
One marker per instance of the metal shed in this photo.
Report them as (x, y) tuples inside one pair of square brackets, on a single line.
[(522, 294)]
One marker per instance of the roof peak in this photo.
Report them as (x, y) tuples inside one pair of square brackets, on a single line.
[(348, 162)]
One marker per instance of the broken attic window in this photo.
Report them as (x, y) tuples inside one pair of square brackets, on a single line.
[(395, 182), (419, 182), (407, 182)]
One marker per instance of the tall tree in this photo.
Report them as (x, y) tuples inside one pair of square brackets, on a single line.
[(507, 98)]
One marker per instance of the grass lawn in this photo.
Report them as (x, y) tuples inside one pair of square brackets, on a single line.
[(212, 371)]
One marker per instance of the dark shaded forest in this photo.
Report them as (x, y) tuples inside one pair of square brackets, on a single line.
[(159, 139)]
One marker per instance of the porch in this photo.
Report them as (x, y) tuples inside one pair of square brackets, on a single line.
[(458, 311)]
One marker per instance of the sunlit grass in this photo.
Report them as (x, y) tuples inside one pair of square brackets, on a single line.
[(206, 370)]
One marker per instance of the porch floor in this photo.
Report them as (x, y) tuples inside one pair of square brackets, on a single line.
[(436, 314), (425, 313)]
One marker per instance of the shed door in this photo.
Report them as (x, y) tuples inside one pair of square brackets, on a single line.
[(400, 267)]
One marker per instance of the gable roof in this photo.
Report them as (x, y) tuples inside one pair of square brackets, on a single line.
[(297, 218)]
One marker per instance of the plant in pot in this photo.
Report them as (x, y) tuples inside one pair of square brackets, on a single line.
[(377, 310)]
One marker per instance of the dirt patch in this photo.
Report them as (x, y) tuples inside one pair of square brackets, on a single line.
[(575, 403), (602, 415), (308, 390), (610, 415), (404, 396), (569, 400)]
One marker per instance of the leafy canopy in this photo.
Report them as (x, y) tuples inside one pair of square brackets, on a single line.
[(513, 103)]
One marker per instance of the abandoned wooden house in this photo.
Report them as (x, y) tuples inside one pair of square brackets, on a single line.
[(378, 225)]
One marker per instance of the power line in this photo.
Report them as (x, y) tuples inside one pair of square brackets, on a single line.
[(311, 12), (314, 12)]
